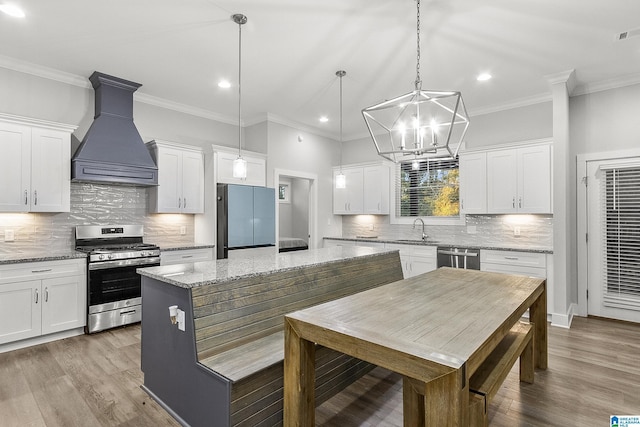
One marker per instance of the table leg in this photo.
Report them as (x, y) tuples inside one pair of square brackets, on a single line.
[(299, 379), (538, 315), (442, 401)]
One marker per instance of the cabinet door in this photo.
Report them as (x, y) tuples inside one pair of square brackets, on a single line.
[(169, 190), (501, 181), (63, 303), (20, 307), (15, 151), (50, 179), (473, 183), (534, 179), (192, 182), (339, 197), (256, 170), (355, 190), (420, 265), (376, 189)]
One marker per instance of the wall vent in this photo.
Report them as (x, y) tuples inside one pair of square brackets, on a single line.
[(628, 34)]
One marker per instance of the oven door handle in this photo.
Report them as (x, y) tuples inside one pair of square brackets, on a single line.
[(463, 254), (141, 262)]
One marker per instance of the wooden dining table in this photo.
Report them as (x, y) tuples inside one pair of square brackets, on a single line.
[(434, 329)]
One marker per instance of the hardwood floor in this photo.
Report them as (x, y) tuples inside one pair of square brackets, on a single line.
[(94, 380)]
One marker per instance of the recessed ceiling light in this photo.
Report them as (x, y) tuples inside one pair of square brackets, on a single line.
[(12, 10), (483, 77), (224, 84), (324, 119)]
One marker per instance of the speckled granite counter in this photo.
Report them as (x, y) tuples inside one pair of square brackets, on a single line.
[(467, 244), (18, 257), (207, 273)]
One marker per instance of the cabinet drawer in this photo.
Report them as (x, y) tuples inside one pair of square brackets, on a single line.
[(514, 269), (513, 258), (41, 270), (186, 255)]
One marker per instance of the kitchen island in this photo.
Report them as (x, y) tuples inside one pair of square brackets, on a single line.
[(221, 364)]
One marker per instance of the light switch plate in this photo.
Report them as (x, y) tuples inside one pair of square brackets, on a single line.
[(516, 231), (183, 230), (9, 235)]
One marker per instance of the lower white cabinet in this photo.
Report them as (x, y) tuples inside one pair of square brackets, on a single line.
[(181, 256), (42, 298), (514, 262), (416, 259)]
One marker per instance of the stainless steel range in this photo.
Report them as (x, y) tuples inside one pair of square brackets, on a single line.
[(113, 286)]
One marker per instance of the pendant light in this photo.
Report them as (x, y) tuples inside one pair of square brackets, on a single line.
[(420, 124), (341, 179), (239, 164)]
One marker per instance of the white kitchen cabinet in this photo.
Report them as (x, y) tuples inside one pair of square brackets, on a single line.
[(376, 190), (256, 169), (366, 190), (180, 256), (473, 183), (42, 298), (519, 180), (35, 174), (415, 259), (349, 200), (180, 179)]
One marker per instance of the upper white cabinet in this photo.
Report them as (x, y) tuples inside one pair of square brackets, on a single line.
[(366, 190), (519, 180), (35, 174), (473, 183), (256, 169), (180, 179)]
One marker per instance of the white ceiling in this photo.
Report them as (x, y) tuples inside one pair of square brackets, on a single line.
[(179, 50)]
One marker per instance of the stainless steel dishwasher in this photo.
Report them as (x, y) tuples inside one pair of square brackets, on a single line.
[(458, 257)]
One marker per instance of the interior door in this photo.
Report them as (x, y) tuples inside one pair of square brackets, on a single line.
[(613, 245)]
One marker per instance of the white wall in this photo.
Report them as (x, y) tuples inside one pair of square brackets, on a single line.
[(285, 212), (300, 208), (314, 154)]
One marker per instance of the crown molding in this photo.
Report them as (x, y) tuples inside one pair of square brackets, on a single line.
[(518, 103), (30, 121), (628, 80), (43, 72), (183, 108)]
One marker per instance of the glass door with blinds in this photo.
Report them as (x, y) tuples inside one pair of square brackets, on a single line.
[(613, 203)]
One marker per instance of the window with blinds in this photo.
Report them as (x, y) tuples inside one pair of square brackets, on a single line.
[(621, 237), (431, 190)]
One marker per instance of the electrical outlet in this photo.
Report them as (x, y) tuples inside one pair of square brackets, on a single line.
[(516, 231), (183, 230), (371, 228), (9, 235)]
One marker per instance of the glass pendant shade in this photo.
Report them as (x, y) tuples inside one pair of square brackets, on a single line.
[(240, 168), (341, 180)]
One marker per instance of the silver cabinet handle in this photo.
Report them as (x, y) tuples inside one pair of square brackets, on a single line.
[(36, 296), (26, 197), (513, 258), (179, 202), (520, 202), (462, 204), (513, 203), (187, 256), (46, 294), (185, 202), (44, 270), (35, 197)]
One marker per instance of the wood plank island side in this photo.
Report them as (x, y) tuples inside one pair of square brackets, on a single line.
[(196, 375), (445, 319)]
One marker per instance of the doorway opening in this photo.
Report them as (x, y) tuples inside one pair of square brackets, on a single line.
[(296, 222)]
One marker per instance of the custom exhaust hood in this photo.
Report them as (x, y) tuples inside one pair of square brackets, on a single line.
[(113, 150)]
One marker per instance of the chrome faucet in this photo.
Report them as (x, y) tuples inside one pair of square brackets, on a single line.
[(424, 236)]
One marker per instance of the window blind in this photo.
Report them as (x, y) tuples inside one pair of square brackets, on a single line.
[(621, 237), (430, 190)]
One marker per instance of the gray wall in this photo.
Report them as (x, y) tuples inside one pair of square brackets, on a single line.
[(300, 208)]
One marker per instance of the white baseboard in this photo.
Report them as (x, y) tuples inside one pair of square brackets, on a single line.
[(564, 320), (40, 340)]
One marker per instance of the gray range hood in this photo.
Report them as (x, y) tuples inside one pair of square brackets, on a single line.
[(112, 150)]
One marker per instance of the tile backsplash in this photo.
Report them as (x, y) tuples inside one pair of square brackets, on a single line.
[(92, 204), (488, 230)]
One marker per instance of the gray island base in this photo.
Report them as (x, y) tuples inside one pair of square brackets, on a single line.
[(226, 367)]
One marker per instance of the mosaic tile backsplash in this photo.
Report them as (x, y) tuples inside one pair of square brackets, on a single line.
[(93, 204), (489, 230)]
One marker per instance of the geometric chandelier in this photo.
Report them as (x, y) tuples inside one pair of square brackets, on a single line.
[(420, 124)]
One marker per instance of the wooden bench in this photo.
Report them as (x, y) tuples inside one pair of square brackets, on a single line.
[(487, 379), (239, 332)]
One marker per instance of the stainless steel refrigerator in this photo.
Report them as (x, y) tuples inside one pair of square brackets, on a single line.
[(246, 218)]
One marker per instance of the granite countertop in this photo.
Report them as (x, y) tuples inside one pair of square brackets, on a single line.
[(37, 256), (181, 247), (211, 272), (466, 244)]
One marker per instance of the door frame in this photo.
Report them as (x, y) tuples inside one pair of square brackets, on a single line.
[(582, 218), (313, 202)]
